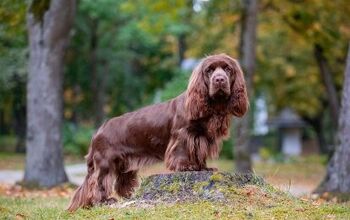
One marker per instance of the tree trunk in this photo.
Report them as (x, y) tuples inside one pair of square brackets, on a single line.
[(181, 47), (328, 82), (338, 171), (49, 24), (317, 124), (19, 113), (2, 121), (181, 38), (97, 96), (20, 127), (320, 137), (248, 61)]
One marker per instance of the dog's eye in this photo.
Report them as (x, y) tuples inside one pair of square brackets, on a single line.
[(228, 69), (208, 71)]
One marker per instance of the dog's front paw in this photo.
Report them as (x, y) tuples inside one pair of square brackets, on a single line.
[(110, 201), (188, 167)]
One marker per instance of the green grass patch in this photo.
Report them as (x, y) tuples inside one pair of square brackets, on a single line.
[(12, 161), (243, 208)]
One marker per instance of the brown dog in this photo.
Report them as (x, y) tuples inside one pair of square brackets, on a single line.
[(184, 132)]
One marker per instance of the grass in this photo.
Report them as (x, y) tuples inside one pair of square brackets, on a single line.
[(13, 161), (244, 205), (298, 175), (16, 161)]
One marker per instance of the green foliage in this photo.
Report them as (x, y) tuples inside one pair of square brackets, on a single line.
[(132, 59), (12, 26), (7, 143), (176, 86), (227, 149), (76, 140), (287, 67), (162, 17), (13, 62)]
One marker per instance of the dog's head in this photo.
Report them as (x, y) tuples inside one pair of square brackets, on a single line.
[(217, 79)]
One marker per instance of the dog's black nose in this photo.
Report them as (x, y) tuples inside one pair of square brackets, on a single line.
[(219, 79)]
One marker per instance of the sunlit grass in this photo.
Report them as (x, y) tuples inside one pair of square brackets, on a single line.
[(283, 208)]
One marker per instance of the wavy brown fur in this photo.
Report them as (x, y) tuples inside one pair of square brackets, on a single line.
[(184, 132)]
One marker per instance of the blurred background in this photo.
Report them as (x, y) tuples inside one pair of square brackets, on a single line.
[(123, 55)]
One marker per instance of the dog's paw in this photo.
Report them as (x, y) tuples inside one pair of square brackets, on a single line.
[(110, 201), (188, 167)]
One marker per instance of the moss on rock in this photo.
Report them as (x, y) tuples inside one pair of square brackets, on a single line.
[(192, 186)]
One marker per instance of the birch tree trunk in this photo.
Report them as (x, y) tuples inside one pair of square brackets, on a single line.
[(49, 23), (338, 171), (248, 61)]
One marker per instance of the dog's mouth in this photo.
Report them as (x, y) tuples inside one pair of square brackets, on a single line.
[(220, 95), (223, 92), (220, 92)]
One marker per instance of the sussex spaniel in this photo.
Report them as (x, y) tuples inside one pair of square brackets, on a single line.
[(184, 132)]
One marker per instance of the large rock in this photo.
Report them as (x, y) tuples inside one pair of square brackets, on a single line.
[(190, 186)]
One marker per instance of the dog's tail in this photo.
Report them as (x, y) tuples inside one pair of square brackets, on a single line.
[(83, 195)]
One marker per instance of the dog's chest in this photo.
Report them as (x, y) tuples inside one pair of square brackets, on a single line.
[(212, 127)]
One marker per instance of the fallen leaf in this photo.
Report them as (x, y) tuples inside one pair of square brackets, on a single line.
[(20, 216)]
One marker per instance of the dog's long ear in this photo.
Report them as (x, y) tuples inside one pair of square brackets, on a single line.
[(196, 105), (239, 102)]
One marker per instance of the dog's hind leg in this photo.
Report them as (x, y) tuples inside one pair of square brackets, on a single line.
[(105, 179), (126, 173)]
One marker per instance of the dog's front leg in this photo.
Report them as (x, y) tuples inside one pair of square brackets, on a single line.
[(179, 157)]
